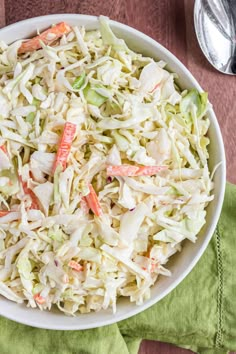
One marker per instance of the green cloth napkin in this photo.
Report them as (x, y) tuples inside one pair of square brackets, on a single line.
[(200, 314)]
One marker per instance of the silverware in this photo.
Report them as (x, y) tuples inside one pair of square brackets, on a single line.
[(215, 27)]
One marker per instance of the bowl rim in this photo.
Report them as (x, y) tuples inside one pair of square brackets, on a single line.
[(208, 235)]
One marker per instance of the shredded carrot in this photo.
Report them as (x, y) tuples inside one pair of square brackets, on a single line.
[(39, 299), (28, 191), (49, 36), (130, 170), (76, 266), (93, 202), (34, 203), (3, 148), (65, 145), (4, 212)]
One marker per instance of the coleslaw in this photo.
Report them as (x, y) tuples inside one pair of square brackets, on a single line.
[(103, 169)]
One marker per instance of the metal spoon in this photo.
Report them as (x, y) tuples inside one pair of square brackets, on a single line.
[(215, 27)]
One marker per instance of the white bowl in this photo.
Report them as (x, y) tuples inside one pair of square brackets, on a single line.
[(182, 263)]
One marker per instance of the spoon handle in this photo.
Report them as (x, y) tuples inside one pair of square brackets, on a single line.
[(215, 27)]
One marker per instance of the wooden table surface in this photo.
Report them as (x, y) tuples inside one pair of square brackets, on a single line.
[(170, 22)]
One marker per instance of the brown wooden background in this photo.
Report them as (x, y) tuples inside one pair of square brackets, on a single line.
[(170, 22)]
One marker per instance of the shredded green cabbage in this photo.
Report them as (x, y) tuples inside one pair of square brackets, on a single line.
[(60, 243)]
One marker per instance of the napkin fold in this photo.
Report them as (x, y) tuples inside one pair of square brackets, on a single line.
[(200, 314)]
